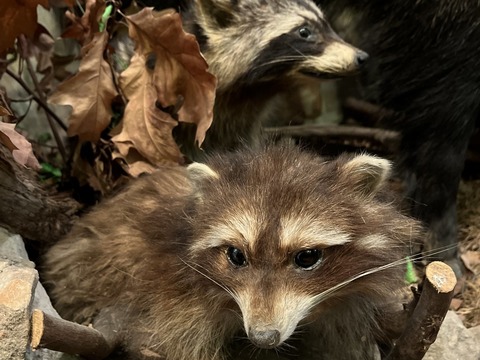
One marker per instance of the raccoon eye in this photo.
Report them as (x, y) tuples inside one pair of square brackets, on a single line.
[(308, 259), (236, 257), (305, 32)]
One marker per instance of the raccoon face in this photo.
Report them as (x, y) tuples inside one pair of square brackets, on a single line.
[(250, 41), (281, 233)]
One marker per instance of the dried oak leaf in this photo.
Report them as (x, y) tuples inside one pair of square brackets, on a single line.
[(145, 129), (180, 70), (18, 17), (83, 28), (19, 146), (90, 92)]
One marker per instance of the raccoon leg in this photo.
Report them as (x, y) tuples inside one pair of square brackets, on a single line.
[(433, 164)]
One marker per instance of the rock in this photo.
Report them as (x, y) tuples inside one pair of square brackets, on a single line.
[(17, 287), (454, 341), (475, 332), (20, 292)]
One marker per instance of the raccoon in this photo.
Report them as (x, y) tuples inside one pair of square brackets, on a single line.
[(424, 67), (260, 50), (295, 252)]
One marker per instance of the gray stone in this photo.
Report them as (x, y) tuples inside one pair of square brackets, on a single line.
[(454, 341), (20, 292), (12, 247), (17, 286), (475, 332)]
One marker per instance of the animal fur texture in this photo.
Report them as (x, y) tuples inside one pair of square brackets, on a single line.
[(424, 67), (259, 50), (292, 251)]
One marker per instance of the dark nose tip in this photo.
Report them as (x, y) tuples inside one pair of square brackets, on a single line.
[(265, 339), (361, 58)]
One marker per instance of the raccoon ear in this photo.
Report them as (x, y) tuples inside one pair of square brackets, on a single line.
[(366, 173), (199, 172), (216, 13)]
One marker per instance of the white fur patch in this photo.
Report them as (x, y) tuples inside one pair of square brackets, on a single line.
[(240, 229), (282, 312), (337, 58), (199, 171), (372, 242), (304, 232)]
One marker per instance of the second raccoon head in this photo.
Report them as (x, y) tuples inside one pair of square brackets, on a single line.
[(283, 231), (253, 41)]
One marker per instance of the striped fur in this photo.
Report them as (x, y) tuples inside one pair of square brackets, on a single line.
[(158, 256), (256, 50)]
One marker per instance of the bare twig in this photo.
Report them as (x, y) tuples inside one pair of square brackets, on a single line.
[(41, 103), (422, 328), (367, 113), (61, 335), (33, 76)]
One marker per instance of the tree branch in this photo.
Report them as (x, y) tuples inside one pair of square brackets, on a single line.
[(33, 75), (61, 335), (423, 326), (39, 101)]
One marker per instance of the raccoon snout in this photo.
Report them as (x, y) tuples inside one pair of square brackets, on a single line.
[(361, 58), (265, 339)]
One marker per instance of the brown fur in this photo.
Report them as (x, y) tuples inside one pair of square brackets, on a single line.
[(155, 255)]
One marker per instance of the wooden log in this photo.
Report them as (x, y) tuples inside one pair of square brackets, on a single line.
[(366, 113), (388, 138), (61, 335), (27, 209), (423, 326)]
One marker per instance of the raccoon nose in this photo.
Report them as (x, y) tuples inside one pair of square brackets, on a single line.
[(265, 339), (361, 58)]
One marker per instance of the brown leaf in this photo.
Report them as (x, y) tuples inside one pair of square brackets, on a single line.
[(90, 92), (135, 164), (19, 146), (471, 260), (41, 46), (180, 70), (145, 128), (455, 304), (83, 28), (4, 111), (18, 17)]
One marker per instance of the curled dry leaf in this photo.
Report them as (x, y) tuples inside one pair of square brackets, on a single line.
[(18, 17), (83, 28), (90, 92), (19, 146), (180, 70), (145, 129)]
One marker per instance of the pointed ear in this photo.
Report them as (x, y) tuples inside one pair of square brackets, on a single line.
[(216, 13), (366, 173), (199, 172)]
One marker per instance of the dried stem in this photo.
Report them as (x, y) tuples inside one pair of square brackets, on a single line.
[(424, 324), (33, 75), (39, 101), (61, 335)]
